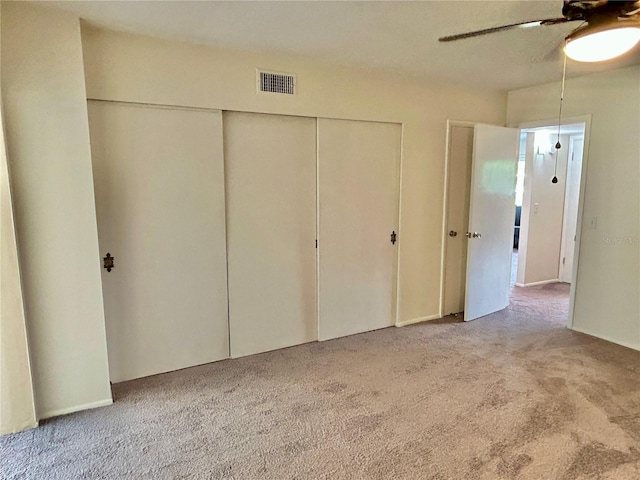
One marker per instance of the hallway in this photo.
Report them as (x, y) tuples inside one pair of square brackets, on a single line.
[(545, 302)]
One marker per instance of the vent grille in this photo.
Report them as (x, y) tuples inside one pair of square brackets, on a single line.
[(277, 83)]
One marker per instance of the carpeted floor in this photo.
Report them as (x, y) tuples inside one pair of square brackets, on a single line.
[(514, 395)]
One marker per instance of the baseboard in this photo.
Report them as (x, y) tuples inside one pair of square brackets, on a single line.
[(19, 428), (404, 323), (537, 284), (77, 408), (607, 339)]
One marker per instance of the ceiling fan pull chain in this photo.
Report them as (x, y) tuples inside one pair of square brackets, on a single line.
[(564, 76), (558, 145)]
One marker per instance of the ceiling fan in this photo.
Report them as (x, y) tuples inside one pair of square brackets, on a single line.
[(610, 28)]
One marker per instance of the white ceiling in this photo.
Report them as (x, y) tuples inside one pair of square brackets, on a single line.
[(394, 35)]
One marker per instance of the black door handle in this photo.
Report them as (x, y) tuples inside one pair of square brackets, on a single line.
[(108, 262)]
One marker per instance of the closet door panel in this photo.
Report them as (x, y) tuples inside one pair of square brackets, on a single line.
[(159, 189), (358, 184), (270, 163)]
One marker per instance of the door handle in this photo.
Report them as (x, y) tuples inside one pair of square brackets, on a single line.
[(453, 233), (108, 262), (476, 235)]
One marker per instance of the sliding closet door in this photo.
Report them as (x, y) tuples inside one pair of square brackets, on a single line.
[(270, 163), (159, 188), (358, 179)]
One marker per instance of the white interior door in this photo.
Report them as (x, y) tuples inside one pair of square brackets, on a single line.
[(570, 221), (458, 191), (492, 207), (159, 189), (270, 163), (358, 179)]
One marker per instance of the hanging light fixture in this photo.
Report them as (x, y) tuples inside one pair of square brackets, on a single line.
[(600, 41), (558, 146)]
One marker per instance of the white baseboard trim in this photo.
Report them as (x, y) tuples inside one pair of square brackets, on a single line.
[(77, 408), (536, 284), (607, 339), (404, 323), (19, 428)]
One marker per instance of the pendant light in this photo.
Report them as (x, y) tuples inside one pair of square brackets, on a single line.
[(558, 146)]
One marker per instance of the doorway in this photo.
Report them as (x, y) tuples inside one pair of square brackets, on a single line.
[(457, 217), (478, 220), (559, 208), (547, 232), (546, 253)]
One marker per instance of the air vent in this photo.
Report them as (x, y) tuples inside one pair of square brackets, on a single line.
[(272, 82)]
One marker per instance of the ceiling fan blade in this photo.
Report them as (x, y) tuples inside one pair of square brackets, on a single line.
[(486, 31), (555, 21)]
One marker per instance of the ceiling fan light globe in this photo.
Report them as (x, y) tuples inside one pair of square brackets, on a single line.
[(602, 45)]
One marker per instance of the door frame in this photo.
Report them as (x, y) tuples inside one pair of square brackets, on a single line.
[(586, 120), (445, 206)]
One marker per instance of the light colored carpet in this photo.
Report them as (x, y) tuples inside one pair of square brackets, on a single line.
[(511, 396)]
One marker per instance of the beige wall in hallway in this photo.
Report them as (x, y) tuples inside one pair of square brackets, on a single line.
[(608, 278)]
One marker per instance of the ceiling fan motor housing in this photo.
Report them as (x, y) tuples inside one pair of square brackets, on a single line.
[(598, 10)]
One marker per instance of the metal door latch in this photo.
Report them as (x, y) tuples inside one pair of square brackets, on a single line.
[(453, 233), (108, 262), (393, 238)]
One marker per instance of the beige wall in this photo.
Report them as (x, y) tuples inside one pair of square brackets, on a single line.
[(141, 69), (48, 149), (17, 409), (542, 215), (608, 277)]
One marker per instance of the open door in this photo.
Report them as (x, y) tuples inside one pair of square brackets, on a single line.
[(491, 213)]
